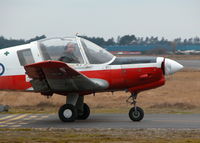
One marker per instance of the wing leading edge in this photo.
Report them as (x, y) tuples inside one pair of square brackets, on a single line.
[(57, 77)]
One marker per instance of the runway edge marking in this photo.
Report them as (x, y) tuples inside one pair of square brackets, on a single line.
[(26, 120), (20, 120), (13, 119), (7, 117)]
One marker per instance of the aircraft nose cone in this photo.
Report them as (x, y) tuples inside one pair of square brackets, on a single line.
[(172, 66)]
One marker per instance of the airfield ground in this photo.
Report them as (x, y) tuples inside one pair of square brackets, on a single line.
[(99, 136)]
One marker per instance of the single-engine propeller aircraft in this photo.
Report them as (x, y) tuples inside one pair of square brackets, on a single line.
[(75, 67)]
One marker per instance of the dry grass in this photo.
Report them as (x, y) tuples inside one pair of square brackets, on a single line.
[(99, 135), (181, 92)]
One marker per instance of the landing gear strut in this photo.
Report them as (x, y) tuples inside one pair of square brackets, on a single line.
[(74, 109), (135, 113)]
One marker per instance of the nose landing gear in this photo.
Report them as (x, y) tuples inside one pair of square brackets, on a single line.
[(135, 113)]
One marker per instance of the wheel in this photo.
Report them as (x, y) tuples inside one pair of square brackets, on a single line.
[(136, 115), (67, 113), (86, 112)]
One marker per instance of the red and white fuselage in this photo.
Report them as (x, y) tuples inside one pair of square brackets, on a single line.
[(133, 74)]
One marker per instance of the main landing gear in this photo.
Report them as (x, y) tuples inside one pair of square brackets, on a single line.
[(74, 109), (135, 113)]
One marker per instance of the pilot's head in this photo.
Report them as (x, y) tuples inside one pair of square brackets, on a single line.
[(70, 47)]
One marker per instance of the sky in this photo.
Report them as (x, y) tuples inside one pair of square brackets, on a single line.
[(24, 19)]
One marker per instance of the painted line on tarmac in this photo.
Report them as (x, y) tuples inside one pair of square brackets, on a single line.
[(15, 126), (30, 117), (42, 117), (7, 117), (1, 126), (27, 120), (18, 120), (22, 123), (14, 119)]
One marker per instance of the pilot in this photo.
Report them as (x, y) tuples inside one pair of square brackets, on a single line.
[(68, 55)]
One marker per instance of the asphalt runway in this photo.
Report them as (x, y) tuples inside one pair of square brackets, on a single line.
[(194, 64), (175, 121)]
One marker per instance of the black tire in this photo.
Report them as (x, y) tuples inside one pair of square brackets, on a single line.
[(136, 115), (67, 113), (86, 112)]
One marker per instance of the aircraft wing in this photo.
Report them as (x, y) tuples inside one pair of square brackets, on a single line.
[(58, 77)]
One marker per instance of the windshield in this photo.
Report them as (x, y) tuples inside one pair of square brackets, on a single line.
[(94, 53), (58, 49)]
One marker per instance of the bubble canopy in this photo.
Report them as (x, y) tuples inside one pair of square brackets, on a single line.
[(74, 50)]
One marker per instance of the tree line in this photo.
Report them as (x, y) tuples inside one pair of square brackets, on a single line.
[(121, 40), (4, 43), (133, 40)]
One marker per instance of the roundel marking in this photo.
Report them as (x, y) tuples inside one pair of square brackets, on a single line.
[(2, 69)]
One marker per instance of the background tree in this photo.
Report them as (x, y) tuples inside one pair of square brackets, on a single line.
[(4, 43), (36, 38), (127, 40)]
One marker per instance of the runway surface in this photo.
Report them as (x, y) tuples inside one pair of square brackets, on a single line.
[(194, 64), (177, 121)]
